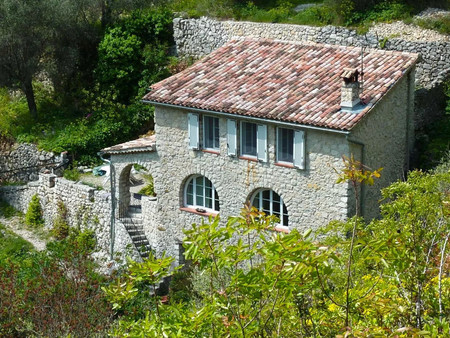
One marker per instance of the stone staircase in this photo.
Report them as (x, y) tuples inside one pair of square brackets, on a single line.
[(132, 219), (134, 225)]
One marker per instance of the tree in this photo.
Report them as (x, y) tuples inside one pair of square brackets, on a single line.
[(254, 277), (24, 41)]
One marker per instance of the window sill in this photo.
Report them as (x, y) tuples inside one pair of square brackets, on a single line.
[(194, 211), (285, 165), (211, 151), (248, 158), (277, 228)]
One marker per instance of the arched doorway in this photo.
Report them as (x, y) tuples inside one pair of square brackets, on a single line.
[(131, 180)]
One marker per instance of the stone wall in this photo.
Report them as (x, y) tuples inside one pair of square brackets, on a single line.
[(22, 162), (87, 208), (387, 135)]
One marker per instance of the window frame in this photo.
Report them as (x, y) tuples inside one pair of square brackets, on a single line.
[(298, 148), (241, 138), (214, 195), (215, 137), (279, 132), (259, 192)]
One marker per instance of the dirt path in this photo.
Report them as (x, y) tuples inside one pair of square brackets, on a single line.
[(15, 224)]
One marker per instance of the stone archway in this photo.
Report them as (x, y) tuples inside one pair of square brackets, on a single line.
[(129, 200), (124, 195)]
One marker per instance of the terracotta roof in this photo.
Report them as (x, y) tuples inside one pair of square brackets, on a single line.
[(280, 80), (144, 144)]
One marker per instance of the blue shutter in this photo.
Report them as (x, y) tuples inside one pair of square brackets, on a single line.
[(299, 149), (231, 137), (193, 131), (261, 143)]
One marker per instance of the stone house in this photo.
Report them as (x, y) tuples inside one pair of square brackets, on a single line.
[(267, 122)]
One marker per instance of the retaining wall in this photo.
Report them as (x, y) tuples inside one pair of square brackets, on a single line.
[(87, 208)]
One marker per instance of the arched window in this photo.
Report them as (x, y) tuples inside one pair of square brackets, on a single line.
[(272, 204), (200, 193)]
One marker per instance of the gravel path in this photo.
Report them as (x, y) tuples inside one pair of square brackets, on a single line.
[(15, 224)]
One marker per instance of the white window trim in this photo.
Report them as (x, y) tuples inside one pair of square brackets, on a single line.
[(241, 134), (278, 149), (261, 138), (194, 194), (298, 141), (259, 191), (204, 130)]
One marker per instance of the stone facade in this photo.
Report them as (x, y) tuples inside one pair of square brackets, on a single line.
[(22, 162), (385, 139), (311, 195)]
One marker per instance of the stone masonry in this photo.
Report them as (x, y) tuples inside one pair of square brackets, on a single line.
[(311, 196), (88, 208), (22, 162)]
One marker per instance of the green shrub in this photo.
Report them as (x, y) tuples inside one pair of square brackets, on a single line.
[(33, 216), (149, 189), (442, 25), (181, 288), (12, 246), (72, 174), (315, 16), (60, 228), (7, 210)]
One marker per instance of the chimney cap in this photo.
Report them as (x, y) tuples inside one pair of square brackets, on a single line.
[(350, 75)]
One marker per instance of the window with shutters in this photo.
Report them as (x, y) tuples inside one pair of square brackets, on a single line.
[(271, 203), (199, 193), (254, 141), (211, 133), (291, 147), (248, 139)]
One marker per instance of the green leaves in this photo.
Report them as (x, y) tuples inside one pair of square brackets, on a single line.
[(354, 171)]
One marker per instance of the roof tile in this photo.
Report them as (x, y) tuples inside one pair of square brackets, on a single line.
[(281, 80)]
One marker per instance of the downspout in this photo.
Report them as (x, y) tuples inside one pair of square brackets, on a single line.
[(408, 116), (363, 188)]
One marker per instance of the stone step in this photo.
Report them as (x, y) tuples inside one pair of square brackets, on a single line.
[(136, 232), (130, 220), (139, 238), (135, 208)]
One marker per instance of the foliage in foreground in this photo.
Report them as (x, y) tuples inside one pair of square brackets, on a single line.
[(249, 280), (54, 293)]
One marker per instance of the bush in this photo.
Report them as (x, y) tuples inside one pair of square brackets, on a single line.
[(56, 293), (12, 247), (149, 189), (441, 25), (33, 216), (60, 228), (7, 210), (72, 174)]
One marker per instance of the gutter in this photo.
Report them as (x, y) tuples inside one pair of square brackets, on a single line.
[(363, 187), (249, 118)]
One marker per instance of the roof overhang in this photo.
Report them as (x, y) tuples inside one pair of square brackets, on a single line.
[(249, 118)]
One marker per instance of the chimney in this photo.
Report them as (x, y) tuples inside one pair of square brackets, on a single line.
[(350, 89)]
